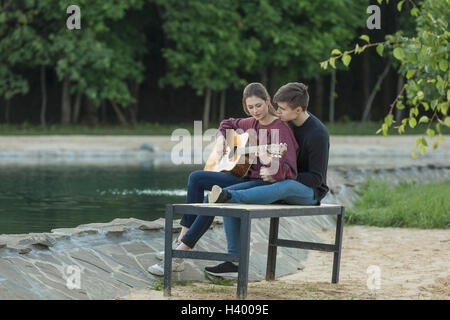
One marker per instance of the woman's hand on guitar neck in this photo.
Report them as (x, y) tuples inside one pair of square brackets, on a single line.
[(263, 156)]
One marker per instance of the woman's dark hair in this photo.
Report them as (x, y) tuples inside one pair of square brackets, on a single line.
[(256, 89)]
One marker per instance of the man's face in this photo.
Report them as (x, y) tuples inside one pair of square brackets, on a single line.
[(286, 113)]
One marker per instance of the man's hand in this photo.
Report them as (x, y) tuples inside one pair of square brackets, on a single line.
[(264, 173)]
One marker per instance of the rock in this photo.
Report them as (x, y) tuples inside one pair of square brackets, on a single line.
[(2, 244), (148, 147), (18, 248), (152, 225), (137, 248), (115, 230), (67, 232), (43, 241)]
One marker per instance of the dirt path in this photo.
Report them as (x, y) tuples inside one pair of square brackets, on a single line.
[(412, 264)]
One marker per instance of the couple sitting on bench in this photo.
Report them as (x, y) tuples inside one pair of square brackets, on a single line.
[(300, 178)]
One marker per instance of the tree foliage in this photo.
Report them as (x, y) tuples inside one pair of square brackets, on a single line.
[(423, 59)]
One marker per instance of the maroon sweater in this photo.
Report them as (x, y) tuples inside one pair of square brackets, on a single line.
[(287, 163)]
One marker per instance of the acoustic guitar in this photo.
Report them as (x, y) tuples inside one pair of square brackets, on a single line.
[(236, 160)]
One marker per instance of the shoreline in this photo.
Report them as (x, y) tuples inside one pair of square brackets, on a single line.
[(345, 151), (107, 142)]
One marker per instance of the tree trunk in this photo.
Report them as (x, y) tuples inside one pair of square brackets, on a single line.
[(7, 110), (91, 112), (44, 96), (366, 77), (206, 108), (400, 83), (76, 107), (214, 107), (223, 96), (103, 112), (272, 86), (119, 114), (318, 101), (134, 108), (387, 90), (65, 103), (368, 107), (264, 77), (332, 95)]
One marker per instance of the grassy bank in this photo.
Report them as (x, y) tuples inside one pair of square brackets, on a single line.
[(408, 205), (155, 128)]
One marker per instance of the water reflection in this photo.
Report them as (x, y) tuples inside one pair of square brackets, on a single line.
[(41, 198)]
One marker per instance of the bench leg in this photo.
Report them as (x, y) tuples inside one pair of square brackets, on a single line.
[(168, 250), (272, 250), (244, 256), (338, 245)]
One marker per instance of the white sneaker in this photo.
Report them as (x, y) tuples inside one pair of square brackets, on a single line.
[(218, 195), (158, 269), (160, 255)]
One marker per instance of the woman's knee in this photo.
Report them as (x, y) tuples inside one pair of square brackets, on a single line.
[(195, 177)]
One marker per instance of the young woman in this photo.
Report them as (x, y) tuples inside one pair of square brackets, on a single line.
[(256, 103)]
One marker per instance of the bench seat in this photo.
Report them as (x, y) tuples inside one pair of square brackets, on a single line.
[(246, 212)]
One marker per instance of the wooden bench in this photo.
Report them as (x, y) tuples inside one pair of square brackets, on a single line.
[(247, 212)]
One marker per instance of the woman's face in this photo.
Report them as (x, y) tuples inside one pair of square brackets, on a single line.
[(257, 107)]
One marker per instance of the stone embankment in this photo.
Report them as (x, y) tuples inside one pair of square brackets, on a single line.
[(107, 260)]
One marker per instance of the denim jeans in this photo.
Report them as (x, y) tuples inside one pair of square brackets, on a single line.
[(290, 191), (198, 182)]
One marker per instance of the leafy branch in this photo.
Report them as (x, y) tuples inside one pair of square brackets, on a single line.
[(423, 62)]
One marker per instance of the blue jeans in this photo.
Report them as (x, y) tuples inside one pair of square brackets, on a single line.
[(290, 191), (198, 182)]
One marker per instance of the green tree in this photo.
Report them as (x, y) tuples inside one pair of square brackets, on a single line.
[(97, 61), (423, 61), (294, 35), (207, 50), (15, 40)]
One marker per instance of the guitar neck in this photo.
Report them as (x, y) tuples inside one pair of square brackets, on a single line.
[(251, 149)]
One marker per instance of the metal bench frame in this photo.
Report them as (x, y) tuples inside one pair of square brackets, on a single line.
[(246, 212)]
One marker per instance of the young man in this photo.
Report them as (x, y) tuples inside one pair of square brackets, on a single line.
[(310, 186)]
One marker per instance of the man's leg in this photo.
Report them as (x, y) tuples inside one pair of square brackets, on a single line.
[(232, 228), (232, 225), (291, 191)]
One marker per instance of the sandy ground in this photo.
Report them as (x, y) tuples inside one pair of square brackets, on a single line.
[(80, 142), (409, 263)]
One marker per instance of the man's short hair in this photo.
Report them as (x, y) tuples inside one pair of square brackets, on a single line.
[(294, 94)]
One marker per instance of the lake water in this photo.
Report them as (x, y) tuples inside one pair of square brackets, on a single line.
[(41, 198)]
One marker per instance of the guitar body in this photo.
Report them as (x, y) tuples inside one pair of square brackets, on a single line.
[(231, 162), (239, 156)]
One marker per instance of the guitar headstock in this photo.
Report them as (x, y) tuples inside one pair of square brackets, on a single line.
[(277, 150)]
